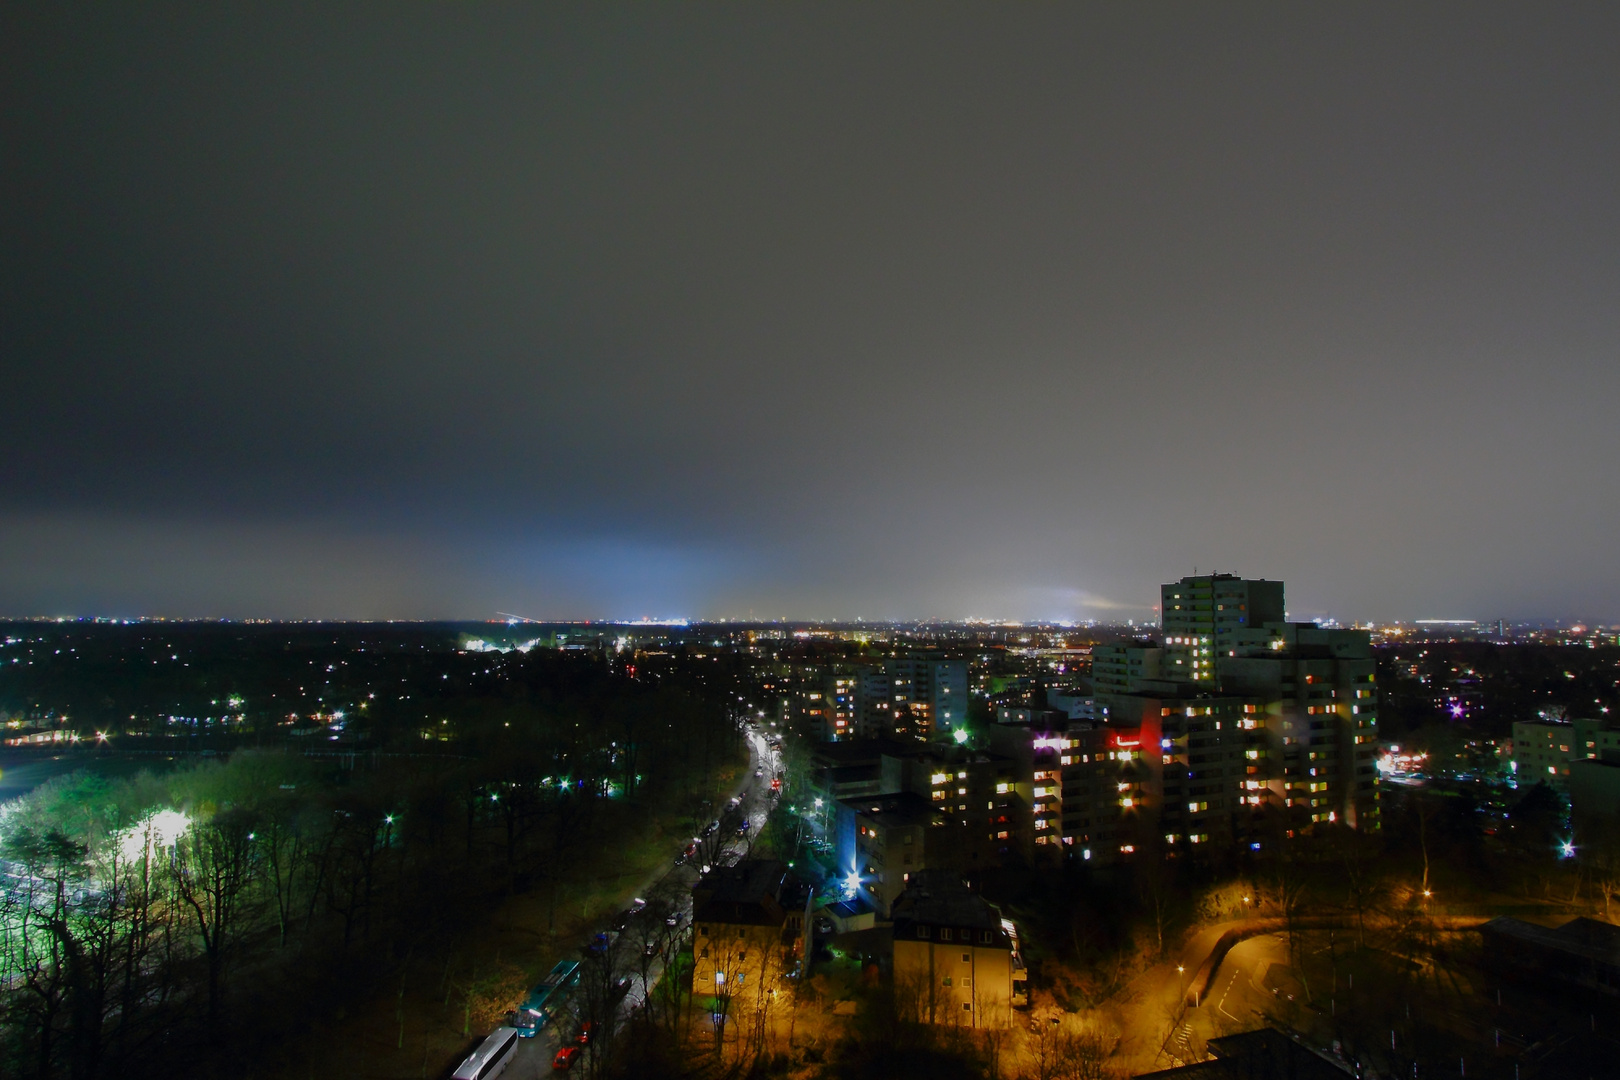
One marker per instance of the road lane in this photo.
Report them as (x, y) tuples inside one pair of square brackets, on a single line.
[(534, 1056)]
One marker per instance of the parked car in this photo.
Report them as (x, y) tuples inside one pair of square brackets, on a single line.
[(584, 1036), (565, 1058), (674, 918)]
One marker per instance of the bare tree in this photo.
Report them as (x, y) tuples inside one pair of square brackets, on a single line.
[(213, 867), (599, 998), (50, 869)]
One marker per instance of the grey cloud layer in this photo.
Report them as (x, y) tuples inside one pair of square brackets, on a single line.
[(882, 312)]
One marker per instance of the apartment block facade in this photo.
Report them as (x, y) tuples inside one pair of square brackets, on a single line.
[(916, 696), (1201, 615), (1229, 728)]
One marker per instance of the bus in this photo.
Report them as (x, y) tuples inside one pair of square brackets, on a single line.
[(491, 1058), (544, 1000)]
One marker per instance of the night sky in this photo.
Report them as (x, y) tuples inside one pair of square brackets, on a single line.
[(803, 311)]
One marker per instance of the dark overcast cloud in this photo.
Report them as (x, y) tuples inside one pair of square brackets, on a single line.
[(881, 311)]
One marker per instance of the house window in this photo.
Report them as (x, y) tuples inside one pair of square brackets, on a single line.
[(967, 958), (922, 931), (741, 975), (720, 977), (985, 937), (947, 980), (967, 1004), (945, 934)]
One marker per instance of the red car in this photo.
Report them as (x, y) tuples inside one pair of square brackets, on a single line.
[(565, 1058), (584, 1036)]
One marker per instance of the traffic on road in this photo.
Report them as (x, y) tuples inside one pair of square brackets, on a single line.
[(550, 1030)]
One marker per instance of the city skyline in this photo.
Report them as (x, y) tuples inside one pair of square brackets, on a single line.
[(882, 314)]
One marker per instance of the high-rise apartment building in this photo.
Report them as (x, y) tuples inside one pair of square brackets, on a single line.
[(916, 696), (839, 710), (1238, 723), (931, 691), (874, 703), (1123, 668), (1313, 728), (1200, 615)]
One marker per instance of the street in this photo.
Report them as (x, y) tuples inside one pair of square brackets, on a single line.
[(674, 883)]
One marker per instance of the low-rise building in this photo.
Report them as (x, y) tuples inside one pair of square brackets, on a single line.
[(748, 928), (1544, 749), (1541, 751), (955, 959), (1583, 952)]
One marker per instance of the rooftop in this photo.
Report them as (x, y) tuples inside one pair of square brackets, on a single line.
[(1266, 1054), (893, 811), (747, 881), (940, 898)]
